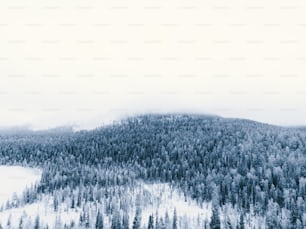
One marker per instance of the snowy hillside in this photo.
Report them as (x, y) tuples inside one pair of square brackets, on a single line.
[(157, 171), (158, 197), (165, 200), (156, 200)]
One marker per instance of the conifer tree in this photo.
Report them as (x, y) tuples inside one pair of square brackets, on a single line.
[(125, 221), (99, 221), (215, 219), (174, 223), (36, 224), (241, 221), (137, 219), (151, 222)]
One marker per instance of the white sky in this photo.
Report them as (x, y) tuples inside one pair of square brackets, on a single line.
[(83, 62)]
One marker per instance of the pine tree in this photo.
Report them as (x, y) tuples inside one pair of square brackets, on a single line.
[(9, 222), (99, 221), (20, 226), (215, 219), (156, 220), (58, 222), (116, 220), (72, 224), (79, 199), (36, 224), (125, 221), (161, 224), (72, 202), (84, 220), (81, 219), (228, 224), (205, 224), (137, 220), (151, 222), (167, 220), (55, 203), (241, 221), (227, 221), (174, 223)]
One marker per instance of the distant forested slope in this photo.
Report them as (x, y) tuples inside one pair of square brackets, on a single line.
[(250, 165)]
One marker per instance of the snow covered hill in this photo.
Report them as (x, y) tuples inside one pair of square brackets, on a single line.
[(158, 199)]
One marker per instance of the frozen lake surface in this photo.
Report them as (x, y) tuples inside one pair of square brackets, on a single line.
[(14, 179)]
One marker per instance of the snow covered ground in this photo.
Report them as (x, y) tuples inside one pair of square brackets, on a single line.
[(157, 199), (161, 198), (165, 199), (44, 210), (14, 179)]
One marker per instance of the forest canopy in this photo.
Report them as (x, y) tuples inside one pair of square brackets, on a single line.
[(247, 164)]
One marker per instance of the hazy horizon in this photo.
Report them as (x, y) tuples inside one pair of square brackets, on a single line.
[(85, 63), (96, 123)]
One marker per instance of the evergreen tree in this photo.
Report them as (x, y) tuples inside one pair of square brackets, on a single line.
[(20, 226), (167, 220), (137, 219), (125, 221), (116, 220), (161, 224), (228, 224), (55, 203), (215, 219), (81, 219), (151, 222), (87, 219), (9, 222), (79, 199), (72, 202), (241, 221), (72, 224), (58, 222), (36, 224), (205, 224), (174, 223), (99, 221), (156, 220)]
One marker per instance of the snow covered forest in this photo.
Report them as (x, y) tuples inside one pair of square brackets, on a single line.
[(160, 172)]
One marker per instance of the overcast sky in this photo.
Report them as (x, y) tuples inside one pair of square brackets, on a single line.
[(86, 62)]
